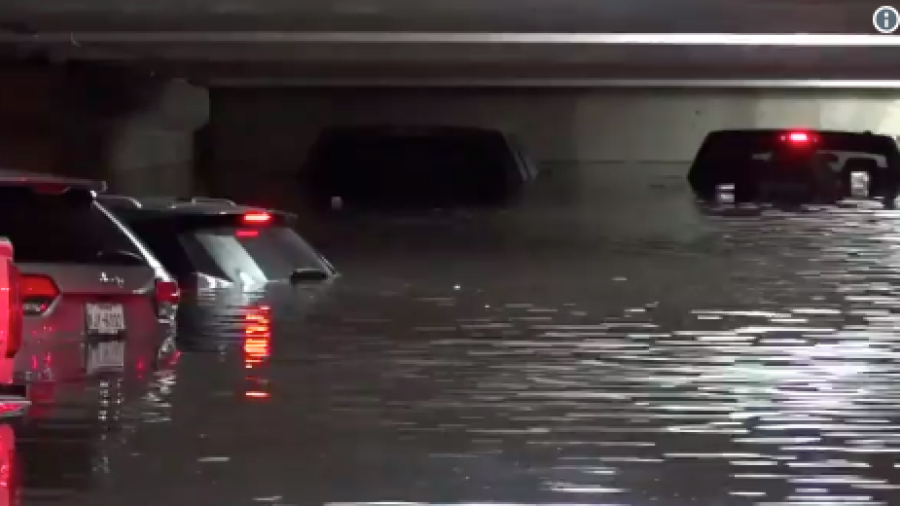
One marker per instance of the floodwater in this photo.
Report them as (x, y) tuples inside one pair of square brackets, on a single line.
[(614, 347)]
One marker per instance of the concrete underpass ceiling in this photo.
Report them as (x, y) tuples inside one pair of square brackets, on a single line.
[(357, 41)]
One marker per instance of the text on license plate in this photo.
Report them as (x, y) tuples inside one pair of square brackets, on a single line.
[(105, 318), (105, 355)]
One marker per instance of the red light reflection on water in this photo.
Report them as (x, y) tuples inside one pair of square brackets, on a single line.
[(257, 336), (257, 341)]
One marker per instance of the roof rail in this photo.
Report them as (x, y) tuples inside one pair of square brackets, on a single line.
[(19, 178), (107, 198), (211, 200)]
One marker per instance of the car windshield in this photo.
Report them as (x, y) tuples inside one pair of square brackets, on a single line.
[(47, 228), (251, 255)]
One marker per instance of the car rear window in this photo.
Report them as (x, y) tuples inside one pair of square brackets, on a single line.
[(62, 228), (405, 165), (425, 151), (254, 255)]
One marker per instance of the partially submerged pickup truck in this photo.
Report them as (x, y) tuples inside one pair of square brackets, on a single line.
[(13, 396), (797, 166)]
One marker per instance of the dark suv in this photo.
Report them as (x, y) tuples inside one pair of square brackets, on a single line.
[(797, 166), (231, 261), (416, 166)]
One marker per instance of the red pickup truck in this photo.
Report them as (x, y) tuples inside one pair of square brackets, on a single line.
[(13, 396)]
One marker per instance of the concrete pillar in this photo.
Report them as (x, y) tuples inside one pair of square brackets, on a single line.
[(134, 131)]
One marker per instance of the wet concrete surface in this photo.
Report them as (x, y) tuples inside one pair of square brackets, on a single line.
[(623, 350)]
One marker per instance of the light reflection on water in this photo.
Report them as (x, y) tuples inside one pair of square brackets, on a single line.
[(734, 358)]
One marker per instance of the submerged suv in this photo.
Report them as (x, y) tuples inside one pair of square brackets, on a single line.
[(94, 299), (393, 166), (232, 262), (797, 166)]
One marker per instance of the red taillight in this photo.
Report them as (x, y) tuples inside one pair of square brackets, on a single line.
[(38, 294), (167, 291), (257, 218), (16, 323), (167, 298), (799, 138)]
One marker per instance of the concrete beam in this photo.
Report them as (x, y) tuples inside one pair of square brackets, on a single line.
[(280, 37), (268, 82)]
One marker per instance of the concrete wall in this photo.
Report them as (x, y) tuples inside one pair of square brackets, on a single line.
[(134, 131), (266, 133)]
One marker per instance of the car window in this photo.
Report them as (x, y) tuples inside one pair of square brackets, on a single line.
[(253, 255), (158, 237), (61, 229), (428, 167), (423, 152)]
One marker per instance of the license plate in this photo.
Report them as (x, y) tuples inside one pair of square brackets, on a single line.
[(859, 185), (104, 319), (105, 355), (105, 346)]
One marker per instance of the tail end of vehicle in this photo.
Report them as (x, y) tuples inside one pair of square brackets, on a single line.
[(13, 396)]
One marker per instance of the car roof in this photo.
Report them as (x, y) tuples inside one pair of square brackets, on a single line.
[(767, 132), (401, 130), (21, 178), (833, 139), (179, 206)]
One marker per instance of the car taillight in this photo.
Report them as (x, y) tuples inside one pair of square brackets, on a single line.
[(38, 294), (799, 138), (16, 323), (167, 298), (256, 218)]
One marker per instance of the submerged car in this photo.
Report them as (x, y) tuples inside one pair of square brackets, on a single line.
[(797, 166), (379, 166), (96, 304), (232, 262)]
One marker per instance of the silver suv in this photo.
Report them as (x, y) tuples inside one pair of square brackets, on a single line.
[(94, 298)]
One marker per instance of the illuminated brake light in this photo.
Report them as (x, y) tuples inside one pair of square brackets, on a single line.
[(246, 234), (257, 218), (38, 294), (798, 138), (167, 297)]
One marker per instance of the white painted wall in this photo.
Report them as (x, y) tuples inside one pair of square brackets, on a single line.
[(267, 132)]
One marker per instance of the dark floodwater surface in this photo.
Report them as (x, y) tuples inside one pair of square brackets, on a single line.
[(627, 351)]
